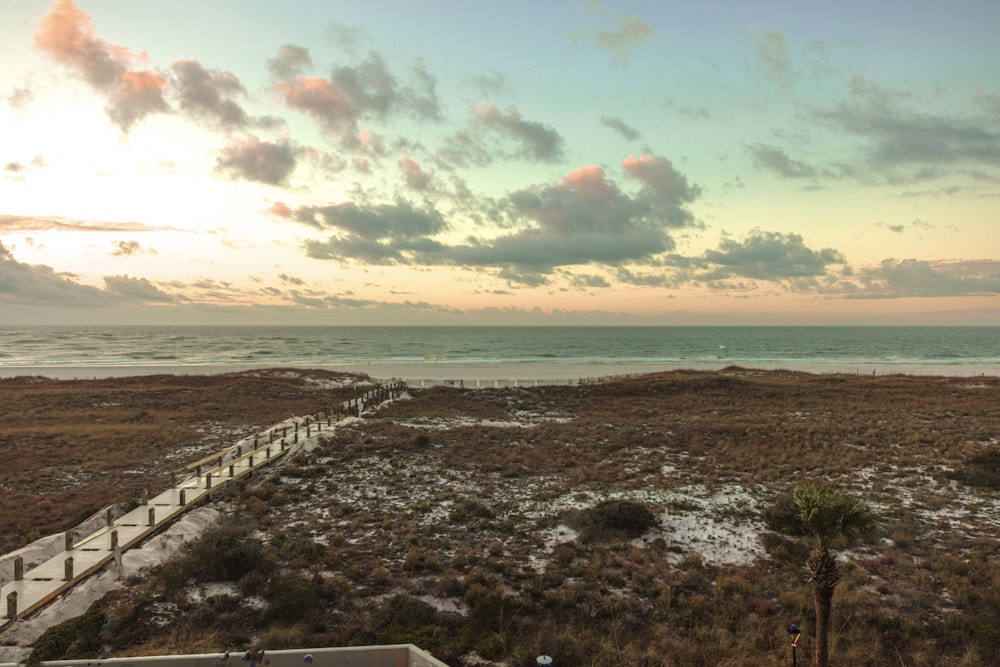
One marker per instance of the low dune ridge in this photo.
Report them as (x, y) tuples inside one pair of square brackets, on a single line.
[(461, 518)]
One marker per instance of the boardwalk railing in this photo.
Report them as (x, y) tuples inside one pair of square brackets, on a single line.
[(32, 589)]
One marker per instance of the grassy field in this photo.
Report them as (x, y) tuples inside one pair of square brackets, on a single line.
[(495, 525)]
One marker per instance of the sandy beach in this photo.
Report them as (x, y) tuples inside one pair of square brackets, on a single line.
[(478, 374)]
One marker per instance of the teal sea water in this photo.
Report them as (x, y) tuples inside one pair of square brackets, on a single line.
[(693, 347)]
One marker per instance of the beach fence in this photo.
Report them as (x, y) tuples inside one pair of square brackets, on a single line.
[(508, 383), (27, 589)]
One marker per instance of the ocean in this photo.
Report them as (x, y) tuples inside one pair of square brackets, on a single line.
[(920, 350)]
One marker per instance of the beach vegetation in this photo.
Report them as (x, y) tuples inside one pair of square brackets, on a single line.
[(830, 516), (481, 546)]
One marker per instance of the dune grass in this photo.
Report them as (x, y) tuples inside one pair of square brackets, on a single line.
[(500, 524)]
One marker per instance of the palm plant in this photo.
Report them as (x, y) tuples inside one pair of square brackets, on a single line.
[(830, 517)]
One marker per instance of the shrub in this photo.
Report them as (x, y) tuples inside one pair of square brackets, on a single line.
[(612, 519), (784, 517), (983, 469), (291, 598), (403, 619), (73, 639), (225, 552)]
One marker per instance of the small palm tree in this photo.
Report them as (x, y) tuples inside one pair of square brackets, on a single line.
[(830, 517)]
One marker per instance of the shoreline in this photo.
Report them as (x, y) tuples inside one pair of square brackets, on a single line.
[(509, 372)]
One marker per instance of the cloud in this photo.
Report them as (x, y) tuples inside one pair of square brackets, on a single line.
[(621, 127), (136, 289), (40, 286), (632, 31), (399, 221), (906, 143), (19, 98), (773, 159), (205, 94), (351, 94), (67, 34), (255, 160), (25, 223), (416, 178), (130, 249), (344, 36), (920, 278), (771, 57), (289, 62), (491, 85), (665, 189), (539, 142), (687, 111), (584, 218), (770, 256)]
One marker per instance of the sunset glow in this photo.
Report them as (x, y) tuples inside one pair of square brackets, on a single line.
[(474, 163)]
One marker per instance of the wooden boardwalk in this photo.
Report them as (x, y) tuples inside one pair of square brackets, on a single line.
[(31, 590)]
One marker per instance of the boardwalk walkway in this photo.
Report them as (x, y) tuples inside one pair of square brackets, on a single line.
[(32, 589)]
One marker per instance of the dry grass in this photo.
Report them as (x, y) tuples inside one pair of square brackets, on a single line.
[(70, 447), (447, 520)]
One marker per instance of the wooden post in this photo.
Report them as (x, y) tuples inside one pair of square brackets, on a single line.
[(18, 569), (173, 479), (68, 540), (12, 605), (182, 499), (145, 495), (270, 436), (114, 540), (151, 520), (232, 469), (109, 516), (197, 470), (296, 437), (250, 461), (308, 431), (208, 480), (267, 453), (68, 569)]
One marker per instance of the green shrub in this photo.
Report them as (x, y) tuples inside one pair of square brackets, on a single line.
[(783, 516), (403, 619), (615, 518), (291, 598), (226, 552), (73, 639), (983, 469)]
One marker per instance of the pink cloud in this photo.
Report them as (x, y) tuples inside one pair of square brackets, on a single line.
[(280, 209), (589, 182), (415, 177), (319, 98), (67, 34)]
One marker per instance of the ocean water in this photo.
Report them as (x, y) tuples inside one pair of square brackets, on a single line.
[(975, 348)]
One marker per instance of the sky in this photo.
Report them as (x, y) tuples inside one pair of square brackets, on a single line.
[(455, 162)]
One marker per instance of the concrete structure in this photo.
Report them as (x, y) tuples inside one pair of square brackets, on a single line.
[(397, 655)]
